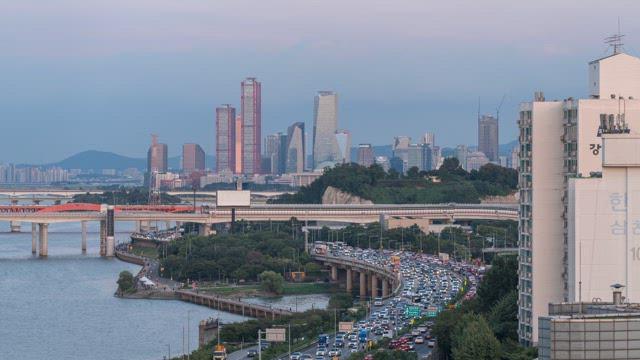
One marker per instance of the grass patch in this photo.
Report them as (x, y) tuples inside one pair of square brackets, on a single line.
[(145, 251)]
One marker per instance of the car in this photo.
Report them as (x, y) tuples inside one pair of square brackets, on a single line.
[(431, 343), (377, 302), (306, 357), (334, 352), (295, 356), (252, 353), (415, 333), (418, 340), (321, 351)]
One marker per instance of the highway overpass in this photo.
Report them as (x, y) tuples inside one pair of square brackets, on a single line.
[(423, 215)]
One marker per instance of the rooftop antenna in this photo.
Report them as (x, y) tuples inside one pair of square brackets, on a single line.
[(615, 41), (478, 107)]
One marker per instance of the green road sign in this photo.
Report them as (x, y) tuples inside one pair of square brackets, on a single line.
[(412, 311)]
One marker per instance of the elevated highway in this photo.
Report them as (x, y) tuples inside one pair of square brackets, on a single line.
[(424, 215), (369, 275)]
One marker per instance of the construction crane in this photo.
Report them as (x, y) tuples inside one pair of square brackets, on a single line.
[(500, 107)]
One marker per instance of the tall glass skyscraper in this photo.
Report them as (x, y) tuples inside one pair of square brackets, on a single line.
[(488, 137), (251, 113), (325, 124), (295, 148), (225, 138), (343, 138)]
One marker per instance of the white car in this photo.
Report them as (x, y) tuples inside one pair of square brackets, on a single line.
[(418, 340), (321, 352)]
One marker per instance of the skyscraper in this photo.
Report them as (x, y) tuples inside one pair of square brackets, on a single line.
[(295, 148), (251, 113), (365, 155), (238, 146), (429, 138), (225, 138), (157, 156), (461, 154), (325, 124), (488, 137), (193, 159), (156, 159), (343, 138), (559, 142), (275, 151)]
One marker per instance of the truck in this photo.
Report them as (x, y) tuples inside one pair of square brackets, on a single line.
[(323, 340), (362, 335), (320, 249), (219, 352)]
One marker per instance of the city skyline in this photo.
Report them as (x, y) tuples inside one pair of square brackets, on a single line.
[(123, 88)]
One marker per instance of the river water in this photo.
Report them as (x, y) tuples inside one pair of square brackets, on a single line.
[(63, 307)]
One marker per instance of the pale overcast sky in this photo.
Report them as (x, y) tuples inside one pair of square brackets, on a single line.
[(83, 74)]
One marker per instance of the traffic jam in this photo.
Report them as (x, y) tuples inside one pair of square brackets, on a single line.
[(430, 284)]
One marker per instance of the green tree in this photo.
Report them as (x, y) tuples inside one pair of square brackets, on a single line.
[(272, 282), (444, 327), (474, 340), (499, 281), (503, 318), (125, 282)]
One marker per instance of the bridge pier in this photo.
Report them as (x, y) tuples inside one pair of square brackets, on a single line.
[(103, 238), (334, 273), (44, 239), (349, 280), (110, 246), (374, 286), (84, 236), (385, 288), (34, 238), (204, 229), (15, 226), (363, 286)]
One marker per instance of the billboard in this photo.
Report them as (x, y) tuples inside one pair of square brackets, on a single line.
[(276, 335), (346, 326), (233, 198)]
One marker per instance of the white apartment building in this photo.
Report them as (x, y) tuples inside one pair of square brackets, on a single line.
[(561, 140), (604, 223)]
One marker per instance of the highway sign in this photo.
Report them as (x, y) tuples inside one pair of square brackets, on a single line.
[(276, 335), (412, 311)]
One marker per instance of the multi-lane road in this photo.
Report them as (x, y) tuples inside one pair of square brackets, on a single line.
[(428, 285)]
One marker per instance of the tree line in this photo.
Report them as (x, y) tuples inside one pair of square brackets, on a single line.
[(449, 183)]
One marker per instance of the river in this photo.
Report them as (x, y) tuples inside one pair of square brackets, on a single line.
[(63, 307)]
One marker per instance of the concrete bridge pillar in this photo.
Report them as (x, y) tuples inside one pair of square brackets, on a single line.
[(385, 288), (334, 273), (103, 237), (349, 280), (15, 226), (34, 238), (84, 236), (110, 249), (44, 239), (363, 286), (204, 229), (374, 286)]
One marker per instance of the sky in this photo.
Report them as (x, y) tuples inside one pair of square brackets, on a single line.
[(104, 75)]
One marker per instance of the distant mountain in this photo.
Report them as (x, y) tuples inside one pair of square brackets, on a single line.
[(98, 160)]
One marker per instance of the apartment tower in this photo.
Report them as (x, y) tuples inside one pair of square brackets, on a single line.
[(560, 141)]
